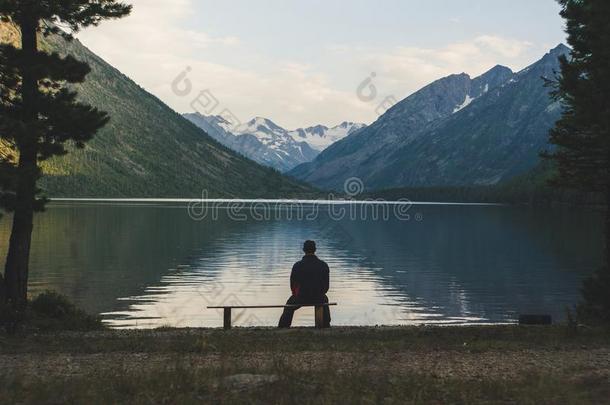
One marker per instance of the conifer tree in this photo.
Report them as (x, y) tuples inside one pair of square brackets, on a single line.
[(582, 135), (40, 114)]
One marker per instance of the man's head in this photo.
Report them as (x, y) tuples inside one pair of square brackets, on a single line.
[(309, 247)]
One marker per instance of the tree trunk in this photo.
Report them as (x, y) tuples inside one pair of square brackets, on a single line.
[(17, 261), (18, 257), (2, 290), (608, 229)]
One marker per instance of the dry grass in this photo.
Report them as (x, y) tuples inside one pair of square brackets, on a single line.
[(343, 365)]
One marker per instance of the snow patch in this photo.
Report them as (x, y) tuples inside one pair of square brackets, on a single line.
[(465, 104), (553, 107), (320, 138)]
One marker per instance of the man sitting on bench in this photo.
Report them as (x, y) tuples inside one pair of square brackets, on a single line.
[(309, 282)]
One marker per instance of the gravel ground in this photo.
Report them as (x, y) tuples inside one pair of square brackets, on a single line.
[(504, 365)]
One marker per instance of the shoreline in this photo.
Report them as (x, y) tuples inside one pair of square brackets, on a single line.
[(267, 201)]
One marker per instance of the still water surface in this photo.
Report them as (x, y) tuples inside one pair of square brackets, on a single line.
[(149, 265)]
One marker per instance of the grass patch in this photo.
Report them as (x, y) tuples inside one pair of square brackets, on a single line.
[(184, 383), (47, 312), (342, 365), (463, 339)]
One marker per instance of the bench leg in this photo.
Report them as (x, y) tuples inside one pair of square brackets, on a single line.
[(319, 315), (227, 318)]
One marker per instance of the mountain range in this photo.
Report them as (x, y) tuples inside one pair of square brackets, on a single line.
[(271, 145), (456, 131), (147, 149)]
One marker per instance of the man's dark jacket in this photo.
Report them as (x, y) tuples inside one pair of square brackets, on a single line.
[(309, 279)]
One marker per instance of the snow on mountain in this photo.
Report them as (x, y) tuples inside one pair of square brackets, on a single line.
[(267, 143), (480, 86), (457, 131), (318, 137), (268, 133), (465, 104), (321, 137)]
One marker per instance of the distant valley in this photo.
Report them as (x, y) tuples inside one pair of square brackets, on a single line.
[(456, 132), (271, 145)]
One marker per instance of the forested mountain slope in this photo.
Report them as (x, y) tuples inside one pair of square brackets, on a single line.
[(147, 149)]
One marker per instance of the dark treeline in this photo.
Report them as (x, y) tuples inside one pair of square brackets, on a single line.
[(532, 188), (501, 194)]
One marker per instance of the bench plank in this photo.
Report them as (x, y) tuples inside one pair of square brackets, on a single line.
[(318, 311), (272, 306)]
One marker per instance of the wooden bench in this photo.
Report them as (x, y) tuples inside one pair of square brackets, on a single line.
[(318, 311)]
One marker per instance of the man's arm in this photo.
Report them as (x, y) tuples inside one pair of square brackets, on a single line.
[(294, 283), (326, 278)]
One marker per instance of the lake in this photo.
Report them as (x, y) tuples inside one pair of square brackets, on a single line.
[(160, 263)]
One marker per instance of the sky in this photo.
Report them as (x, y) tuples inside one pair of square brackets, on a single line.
[(308, 62)]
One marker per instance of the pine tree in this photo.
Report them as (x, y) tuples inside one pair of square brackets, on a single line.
[(582, 135), (40, 114)]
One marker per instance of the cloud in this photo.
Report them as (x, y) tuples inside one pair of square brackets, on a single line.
[(151, 47), (506, 47), (407, 69), (469, 56), (156, 43), (291, 94), (153, 30)]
